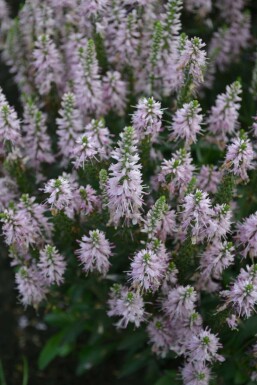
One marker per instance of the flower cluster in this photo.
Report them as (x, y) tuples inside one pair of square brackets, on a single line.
[(127, 186)]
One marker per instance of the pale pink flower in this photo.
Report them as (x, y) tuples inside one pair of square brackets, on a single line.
[(197, 215), (61, 192), (195, 373), (167, 226), (47, 64), (240, 156), (232, 322), (115, 92), (9, 191), (36, 212), (18, 230), (209, 179), (125, 41), (124, 186), (10, 131), (254, 127), (69, 125), (147, 270), (154, 218), (94, 252), (242, 295), (216, 258), (187, 123), (203, 347), (88, 200), (31, 286), (37, 141), (160, 336), (87, 83), (200, 7), (170, 279), (180, 302), (92, 7), (51, 265), (223, 118), (84, 150), (192, 59), (99, 136), (247, 235), (128, 305), (176, 173), (147, 119), (221, 222)]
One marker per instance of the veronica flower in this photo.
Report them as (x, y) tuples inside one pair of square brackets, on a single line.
[(232, 322), (172, 23), (164, 48), (203, 347), (5, 21), (195, 373), (154, 217), (88, 200), (209, 179), (147, 119), (177, 172), (18, 229), (200, 7), (254, 127), (247, 235), (147, 270), (103, 179), (10, 132), (192, 60), (37, 141), (167, 226), (51, 265), (115, 92), (170, 278), (47, 64), (94, 252), (197, 215), (187, 123), (92, 7), (36, 213), (69, 124), (87, 83), (31, 286), (242, 295), (223, 118), (160, 336), (128, 305), (180, 302), (9, 191), (240, 156), (61, 192), (228, 42), (216, 258), (100, 136), (84, 150), (124, 186), (220, 224), (125, 39)]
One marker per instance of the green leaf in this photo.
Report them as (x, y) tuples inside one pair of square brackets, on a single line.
[(25, 378), (133, 364), (133, 341), (91, 356), (50, 350), (2, 376), (58, 319), (168, 379)]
